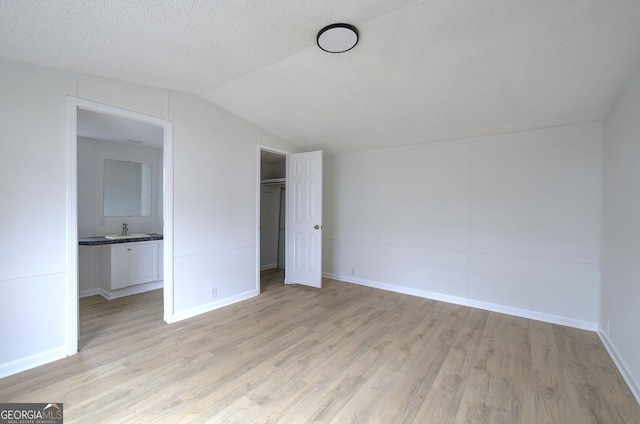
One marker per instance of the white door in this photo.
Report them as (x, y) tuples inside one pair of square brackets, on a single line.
[(304, 219)]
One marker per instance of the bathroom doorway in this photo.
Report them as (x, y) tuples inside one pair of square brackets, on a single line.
[(98, 135)]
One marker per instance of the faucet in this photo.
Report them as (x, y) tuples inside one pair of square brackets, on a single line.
[(125, 229)]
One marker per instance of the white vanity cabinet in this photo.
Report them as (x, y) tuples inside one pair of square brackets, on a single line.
[(134, 263), (120, 269)]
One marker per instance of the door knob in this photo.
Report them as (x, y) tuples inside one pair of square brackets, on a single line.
[(317, 227)]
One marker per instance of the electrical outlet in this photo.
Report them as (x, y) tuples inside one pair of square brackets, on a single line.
[(101, 222), (608, 327), (214, 293), (353, 271)]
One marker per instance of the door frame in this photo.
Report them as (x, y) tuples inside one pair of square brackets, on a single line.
[(73, 314), (260, 148)]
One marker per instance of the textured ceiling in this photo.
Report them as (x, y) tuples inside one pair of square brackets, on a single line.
[(422, 70)]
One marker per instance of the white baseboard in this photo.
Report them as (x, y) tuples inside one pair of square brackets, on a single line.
[(32, 361), (268, 266), (89, 292), (463, 301), (189, 313), (128, 291), (634, 385)]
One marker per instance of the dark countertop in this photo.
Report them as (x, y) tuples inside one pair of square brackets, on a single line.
[(96, 241)]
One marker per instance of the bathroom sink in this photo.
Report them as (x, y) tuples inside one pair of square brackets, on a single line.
[(128, 236)]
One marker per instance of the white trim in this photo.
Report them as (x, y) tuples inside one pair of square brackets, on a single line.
[(274, 149), (487, 306), (113, 110), (258, 207), (73, 309), (167, 216), (471, 251), (89, 292), (32, 361), (32, 272), (73, 103), (128, 291), (208, 307), (268, 266), (616, 273), (634, 385), (469, 223), (210, 249), (616, 356)]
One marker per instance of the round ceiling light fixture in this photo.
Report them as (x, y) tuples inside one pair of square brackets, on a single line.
[(337, 38)]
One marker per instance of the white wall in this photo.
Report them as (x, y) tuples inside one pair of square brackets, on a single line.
[(91, 156), (620, 310), (33, 273), (214, 203), (508, 223)]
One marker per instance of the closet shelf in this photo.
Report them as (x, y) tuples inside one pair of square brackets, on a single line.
[(273, 181)]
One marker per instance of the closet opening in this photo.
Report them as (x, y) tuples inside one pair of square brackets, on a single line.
[(272, 219)]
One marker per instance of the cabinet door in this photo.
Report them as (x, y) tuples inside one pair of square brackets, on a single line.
[(134, 263)]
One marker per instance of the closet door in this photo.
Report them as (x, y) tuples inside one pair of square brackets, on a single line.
[(304, 219)]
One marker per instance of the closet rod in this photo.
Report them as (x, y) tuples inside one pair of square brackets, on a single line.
[(273, 181)]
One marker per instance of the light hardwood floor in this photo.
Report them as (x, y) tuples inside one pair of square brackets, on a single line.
[(342, 354)]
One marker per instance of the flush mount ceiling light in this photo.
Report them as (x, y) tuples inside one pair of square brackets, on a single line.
[(337, 38)]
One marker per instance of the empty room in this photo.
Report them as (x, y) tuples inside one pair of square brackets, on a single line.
[(298, 211)]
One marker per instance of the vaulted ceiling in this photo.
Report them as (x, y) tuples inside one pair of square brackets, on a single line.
[(422, 70)]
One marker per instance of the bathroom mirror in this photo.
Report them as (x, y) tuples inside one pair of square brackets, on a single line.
[(127, 188)]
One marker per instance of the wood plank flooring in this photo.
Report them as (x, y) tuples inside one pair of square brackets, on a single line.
[(342, 354)]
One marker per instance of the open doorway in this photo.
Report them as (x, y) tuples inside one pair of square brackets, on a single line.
[(298, 207), (272, 217), (101, 137)]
